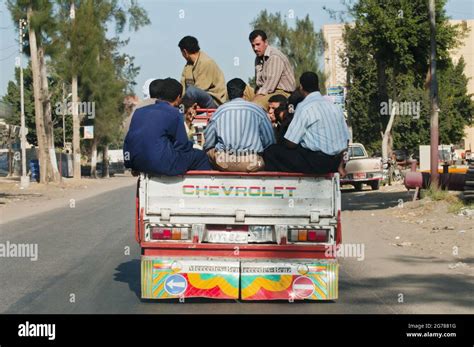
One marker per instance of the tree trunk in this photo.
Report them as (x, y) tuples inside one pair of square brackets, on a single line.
[(52, 166), (10, 156), (39, 121), (76, 123), (386, 138), (105, 161), (94, 158)]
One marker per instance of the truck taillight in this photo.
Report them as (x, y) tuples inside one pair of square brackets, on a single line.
[(172, 232), (304, 234)]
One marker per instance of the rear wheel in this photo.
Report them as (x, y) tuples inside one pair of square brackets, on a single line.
[(375, 185), (469, 184), (358, 186)]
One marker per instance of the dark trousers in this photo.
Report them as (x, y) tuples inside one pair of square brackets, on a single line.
[(281, 158), (203, 99)]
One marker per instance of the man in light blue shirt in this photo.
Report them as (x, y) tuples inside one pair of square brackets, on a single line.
[(316, 138), (238, 133)]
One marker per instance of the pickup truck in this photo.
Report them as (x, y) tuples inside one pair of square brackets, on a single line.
[(361, 169), (234, 235)]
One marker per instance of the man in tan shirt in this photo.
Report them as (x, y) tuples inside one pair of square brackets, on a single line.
[(202, 79), (273, 71)]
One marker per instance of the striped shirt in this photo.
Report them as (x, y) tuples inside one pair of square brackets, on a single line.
[(319, 125), (273, 71), (239, 126)]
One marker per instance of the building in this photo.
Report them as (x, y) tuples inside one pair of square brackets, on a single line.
[(336, 73), (466, 50)]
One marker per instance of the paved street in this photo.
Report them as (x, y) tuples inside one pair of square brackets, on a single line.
[(82, 255)]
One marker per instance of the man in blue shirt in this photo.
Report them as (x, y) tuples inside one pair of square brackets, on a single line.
[(156, 142), (316, 138), (238, 133)]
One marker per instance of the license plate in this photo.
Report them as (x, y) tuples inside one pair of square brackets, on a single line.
[(227, 237), (360, 175)]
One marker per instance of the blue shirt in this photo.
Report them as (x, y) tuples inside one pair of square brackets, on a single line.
[(157, 142), (239, 126), (319, 125)]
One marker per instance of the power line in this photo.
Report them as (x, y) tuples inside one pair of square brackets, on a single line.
[(2, 49), (11, 55)]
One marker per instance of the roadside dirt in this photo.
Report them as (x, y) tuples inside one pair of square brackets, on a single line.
[(424, 228)]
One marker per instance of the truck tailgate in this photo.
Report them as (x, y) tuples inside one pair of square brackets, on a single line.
[(241, 198)]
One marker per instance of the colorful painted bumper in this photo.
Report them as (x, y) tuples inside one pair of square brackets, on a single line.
[(172, 278)]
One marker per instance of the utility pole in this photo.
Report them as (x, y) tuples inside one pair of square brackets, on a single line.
[(24, 180), (434, 128), (76, 142)]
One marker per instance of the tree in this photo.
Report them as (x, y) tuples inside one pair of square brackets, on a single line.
[(40, 43), (12, 97), (303, 57), (388, 60), (102, 75)]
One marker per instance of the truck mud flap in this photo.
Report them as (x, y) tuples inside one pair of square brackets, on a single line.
[(168, 279), (315, 280), (246, 280)]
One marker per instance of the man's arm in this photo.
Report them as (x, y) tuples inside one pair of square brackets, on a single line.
[(296, 130), (274, 69), (210, 134), (267, 135), (181, 142)]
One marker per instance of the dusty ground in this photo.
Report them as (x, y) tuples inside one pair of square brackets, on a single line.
[(425, 228)]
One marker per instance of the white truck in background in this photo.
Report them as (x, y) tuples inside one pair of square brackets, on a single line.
[(361, 169)]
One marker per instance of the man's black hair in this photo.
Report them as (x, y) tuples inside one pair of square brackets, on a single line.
[(190, 44), (309, 81), (281, 99), (295, 98), (156, 88), (187, 102), (256, 33), (171, 90), (236, 88)]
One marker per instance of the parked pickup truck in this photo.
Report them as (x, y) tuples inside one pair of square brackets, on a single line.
[(234, 235), (361, 169)]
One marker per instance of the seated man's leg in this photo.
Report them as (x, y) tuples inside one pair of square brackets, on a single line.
[(213, 155), (200, 160), (262, 101), (203, 99), (281, 158), (249, 93)]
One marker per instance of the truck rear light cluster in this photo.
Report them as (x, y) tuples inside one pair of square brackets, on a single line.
[(170, 232), (307, 234)]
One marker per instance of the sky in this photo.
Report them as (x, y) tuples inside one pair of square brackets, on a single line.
[(222, 28)]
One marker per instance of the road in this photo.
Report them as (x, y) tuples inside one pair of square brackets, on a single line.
[(88, 262)]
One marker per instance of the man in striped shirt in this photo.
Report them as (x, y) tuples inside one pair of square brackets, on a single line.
[(316, 138), (273, 71), (238, 133)]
